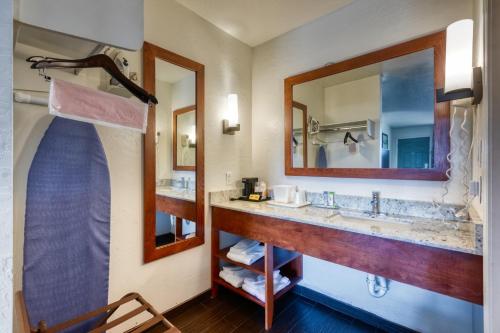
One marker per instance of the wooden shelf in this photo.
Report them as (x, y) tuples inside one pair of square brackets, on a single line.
[(293, 282), (281, 258), (239, 291)]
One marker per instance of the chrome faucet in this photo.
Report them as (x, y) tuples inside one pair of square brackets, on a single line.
[(375, 203)]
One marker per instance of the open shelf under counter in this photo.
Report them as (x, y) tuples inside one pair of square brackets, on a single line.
[(293, 282), (281, 257)]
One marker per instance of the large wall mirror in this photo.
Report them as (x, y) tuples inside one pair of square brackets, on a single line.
[(373, 116), (173, 154)]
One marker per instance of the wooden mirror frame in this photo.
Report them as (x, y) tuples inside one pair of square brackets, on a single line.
[(302, 107), (175, 114), (437, 41), (151, 251)]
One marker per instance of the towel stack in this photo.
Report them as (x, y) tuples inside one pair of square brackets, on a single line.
[(235, 275), (256, 286), (246, 251), (252, 283)]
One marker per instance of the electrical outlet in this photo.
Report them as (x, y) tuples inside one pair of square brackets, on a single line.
[(229, 178)]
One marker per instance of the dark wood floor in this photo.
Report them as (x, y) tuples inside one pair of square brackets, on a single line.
[(230, 313)]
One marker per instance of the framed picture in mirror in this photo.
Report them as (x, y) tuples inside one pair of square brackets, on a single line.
[(373, 116)]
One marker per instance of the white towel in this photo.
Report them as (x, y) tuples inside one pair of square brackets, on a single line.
[(235, 275), (260, 280), (249, 256), (259, 290), (243, 246), (72, 101)]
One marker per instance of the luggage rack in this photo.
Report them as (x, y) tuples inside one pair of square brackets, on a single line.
[(156, 322)]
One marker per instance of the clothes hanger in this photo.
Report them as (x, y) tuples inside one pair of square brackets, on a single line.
[(348, 136), (95, 61)]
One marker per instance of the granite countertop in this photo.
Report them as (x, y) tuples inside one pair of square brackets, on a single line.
[(176, 193), (462, 236)]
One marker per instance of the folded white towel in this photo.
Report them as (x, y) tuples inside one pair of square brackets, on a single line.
[(260, 280), (235, 277), (259, 290), (248, 257), (230, 268), (243, 246)]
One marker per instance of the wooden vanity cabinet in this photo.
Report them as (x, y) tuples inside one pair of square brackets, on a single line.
[(453, 273), (288, 262)]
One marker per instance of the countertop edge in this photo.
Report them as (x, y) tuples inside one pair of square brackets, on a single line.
[(474, 251)]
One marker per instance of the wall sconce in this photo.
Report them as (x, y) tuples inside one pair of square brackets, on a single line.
[(192, 137), (461, 80), (230, 123)]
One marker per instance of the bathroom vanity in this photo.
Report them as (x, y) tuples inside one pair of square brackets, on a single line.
[(442, 256)]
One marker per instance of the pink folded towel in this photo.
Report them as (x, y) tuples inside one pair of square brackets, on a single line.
[(72, 101)]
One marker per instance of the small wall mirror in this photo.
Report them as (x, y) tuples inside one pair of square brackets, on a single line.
[(173, 154), (184, 135), (374, 116)]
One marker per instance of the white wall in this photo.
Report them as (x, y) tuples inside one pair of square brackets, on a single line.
[(358, 28), (6, 235), (174, 279), (347, 102), (491, 116), (311, 94), (164, 127)]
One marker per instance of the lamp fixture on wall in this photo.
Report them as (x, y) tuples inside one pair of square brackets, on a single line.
[(461, 79), (230, 123)]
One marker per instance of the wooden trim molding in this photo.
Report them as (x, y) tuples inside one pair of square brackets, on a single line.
[(151, 252), (175, 114), (436, 41), (302, 107), (447, 272)]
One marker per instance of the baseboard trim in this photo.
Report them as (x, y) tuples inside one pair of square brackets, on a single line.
[(351, 311)]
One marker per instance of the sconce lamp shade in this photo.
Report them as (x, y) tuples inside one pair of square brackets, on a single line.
[(232, 109), (458, 68), (230, 123)]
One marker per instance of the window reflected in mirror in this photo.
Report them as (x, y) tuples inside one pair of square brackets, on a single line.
[(376, 116)]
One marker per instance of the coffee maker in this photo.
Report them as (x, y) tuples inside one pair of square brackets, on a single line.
[(248, 186)]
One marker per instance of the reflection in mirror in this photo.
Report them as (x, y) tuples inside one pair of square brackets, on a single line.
[(184, 134), (175, 89), (376, 116), (299, 139), (171, 229)]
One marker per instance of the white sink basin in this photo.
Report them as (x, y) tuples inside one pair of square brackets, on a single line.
[(353, 216)]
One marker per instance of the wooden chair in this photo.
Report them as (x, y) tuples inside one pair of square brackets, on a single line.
[(157, 323)]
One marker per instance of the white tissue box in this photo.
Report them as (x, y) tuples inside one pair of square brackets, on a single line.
[(284, 193)]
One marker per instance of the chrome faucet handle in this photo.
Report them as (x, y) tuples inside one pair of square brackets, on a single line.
[(375, 202)]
